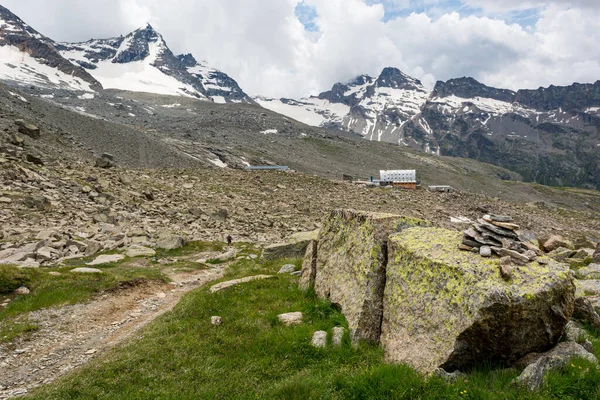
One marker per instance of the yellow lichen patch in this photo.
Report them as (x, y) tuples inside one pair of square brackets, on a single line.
[(436, 294), (351, 258)]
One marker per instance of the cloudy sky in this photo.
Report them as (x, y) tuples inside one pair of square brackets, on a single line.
[(293, 48)]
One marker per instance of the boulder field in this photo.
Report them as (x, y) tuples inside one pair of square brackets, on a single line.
[(407, 286)]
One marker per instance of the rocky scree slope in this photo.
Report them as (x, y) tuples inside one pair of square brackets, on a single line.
[(113, 207), (143, 130), (28, 57), (550, 135)]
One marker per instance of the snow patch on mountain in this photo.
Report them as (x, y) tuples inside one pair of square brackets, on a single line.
[(375, 108), (451, 104), (141, 75), (220, 87), (20, 67), (312, 111)]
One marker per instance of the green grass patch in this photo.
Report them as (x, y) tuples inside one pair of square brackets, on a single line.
[(11, 278), (48, 290), (191, 248), (253, 356), (15, 328)]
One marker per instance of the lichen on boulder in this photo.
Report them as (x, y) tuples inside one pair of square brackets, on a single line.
[(350, 266), (448, 309)]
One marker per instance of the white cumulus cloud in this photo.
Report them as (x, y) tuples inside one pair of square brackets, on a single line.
[(263, 44)]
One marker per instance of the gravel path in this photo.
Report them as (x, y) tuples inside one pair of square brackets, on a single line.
[(70, 336)]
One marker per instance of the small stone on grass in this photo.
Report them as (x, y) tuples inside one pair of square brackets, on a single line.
[(292, 318), (319, 339), (287, 269)]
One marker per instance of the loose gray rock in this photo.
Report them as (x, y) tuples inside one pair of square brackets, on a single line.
[(170, 242), (533, 376), (104, 219), (506, 271), (37, 202), (149, 195), (584, 312), (84, 270), (447, 376), (485, 251), (319, 339), (227, 256), (28, 129), (287, 269), (575, 333), (105, 162), (140, 251), (337, 335), (551, 242), (511, 253), (292, 318), (92, 247), (588, 287), (106, 259), (125, 180), (224, 285), (22, 291), (592, 271), (294, 247)]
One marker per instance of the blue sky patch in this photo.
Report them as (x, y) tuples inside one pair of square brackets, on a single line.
[(307, 16), (398, 9)]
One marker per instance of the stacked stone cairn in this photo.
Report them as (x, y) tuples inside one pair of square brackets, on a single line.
[(497, 234)]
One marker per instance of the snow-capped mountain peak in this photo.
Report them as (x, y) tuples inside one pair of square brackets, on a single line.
[(220, 87), (142, 61), (375, 108), (140, 44), (396, 79)]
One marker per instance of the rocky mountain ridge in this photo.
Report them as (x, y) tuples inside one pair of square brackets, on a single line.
[(375, 108), (549, 135), (139, 61), (142, 61)]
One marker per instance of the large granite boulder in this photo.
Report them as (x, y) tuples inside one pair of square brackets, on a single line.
[(294, 247), (444, 308), (309, 266), (170, 242), (350, 266)]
